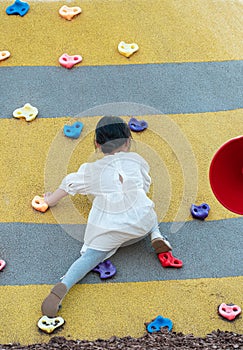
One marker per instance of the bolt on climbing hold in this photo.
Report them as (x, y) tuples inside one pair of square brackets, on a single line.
[(69, 12), (27, 112), (158, 323), (73, 131), (200, 211), (127, 49), (106, 269), (39, 204), (48, 325), (18, 8)]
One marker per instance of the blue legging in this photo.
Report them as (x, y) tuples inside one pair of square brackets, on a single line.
[(83, 265), (90, 259)]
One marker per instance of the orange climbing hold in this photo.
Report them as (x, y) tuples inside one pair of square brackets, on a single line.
[(39, 204)]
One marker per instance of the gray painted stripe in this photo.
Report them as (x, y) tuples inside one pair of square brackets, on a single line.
[(167, 88), (41, 254)]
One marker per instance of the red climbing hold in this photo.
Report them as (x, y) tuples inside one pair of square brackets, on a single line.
[(168, 260)]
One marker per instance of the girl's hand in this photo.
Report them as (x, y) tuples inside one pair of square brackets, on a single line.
[(46, 195)]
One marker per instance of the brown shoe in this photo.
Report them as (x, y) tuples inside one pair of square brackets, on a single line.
[(161, 245), (50, 305)]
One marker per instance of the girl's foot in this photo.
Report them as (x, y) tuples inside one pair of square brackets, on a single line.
[(161, 245), (50, 305)]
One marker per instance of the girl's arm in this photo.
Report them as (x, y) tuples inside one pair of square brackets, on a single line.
[(72, 184), (53, 198)]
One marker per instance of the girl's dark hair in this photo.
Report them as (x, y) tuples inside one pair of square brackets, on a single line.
[(111, 133)]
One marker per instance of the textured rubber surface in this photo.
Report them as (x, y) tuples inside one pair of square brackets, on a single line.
[(189, 65)]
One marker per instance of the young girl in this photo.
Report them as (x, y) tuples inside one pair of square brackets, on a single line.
[(121, 212)]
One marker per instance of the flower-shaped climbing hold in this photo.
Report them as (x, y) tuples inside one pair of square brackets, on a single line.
[(28, 112)]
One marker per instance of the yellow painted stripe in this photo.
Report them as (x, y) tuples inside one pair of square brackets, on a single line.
[(103, 310), (166, 31), (36, 156)]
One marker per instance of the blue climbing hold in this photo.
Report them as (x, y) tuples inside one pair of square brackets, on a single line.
[(200, 211), (159, 322), (18, 8), (73, 131), (106, 269)]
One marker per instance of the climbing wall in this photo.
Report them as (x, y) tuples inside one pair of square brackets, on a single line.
[(184, 79)]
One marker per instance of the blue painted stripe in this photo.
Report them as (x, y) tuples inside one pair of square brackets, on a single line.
[(140, 89), (41, 254)]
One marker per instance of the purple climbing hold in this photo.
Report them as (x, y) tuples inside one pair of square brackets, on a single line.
[(106, 269), (200, 211), (137, 125)]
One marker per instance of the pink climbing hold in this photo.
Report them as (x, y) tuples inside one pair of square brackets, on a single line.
[(69, 61), (2, 264), (229, 311)]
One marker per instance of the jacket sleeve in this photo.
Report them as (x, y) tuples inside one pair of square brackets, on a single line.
[(76, 182)]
